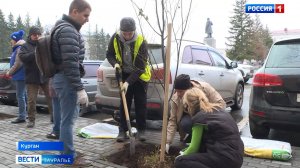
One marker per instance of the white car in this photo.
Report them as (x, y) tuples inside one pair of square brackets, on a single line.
[(201, 62), (246, 71)]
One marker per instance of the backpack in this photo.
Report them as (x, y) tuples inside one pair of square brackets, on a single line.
[(43, 54)]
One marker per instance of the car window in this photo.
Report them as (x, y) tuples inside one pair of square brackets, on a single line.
[(187, 55), (201, 56), (4, 66), (219, 61), (155, 54), (284, 55), (90, 70)]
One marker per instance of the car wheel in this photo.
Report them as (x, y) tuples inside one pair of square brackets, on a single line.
[(258, 131), (239, 96)]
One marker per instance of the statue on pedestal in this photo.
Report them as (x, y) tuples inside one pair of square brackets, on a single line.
[(208, 28)]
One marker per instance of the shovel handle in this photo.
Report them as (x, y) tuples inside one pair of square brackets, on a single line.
[(123, 97), (125, 109)]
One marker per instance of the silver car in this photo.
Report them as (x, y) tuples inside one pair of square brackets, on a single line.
[(200, 61), (89, 81), (204, 63)]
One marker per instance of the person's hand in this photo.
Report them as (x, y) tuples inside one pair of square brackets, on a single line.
[(7, 73), (179, 156), (82, 98), (117, 66), (181, 152), (167, 148), (124, 87)]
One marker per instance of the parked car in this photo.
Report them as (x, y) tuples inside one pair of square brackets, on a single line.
[(7, 86), (200, 61), (89, 81), (275, 94), (246, 71)]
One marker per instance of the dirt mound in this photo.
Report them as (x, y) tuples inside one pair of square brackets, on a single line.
[(146, 156)]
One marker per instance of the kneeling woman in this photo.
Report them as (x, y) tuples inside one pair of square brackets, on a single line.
[(216, 142)]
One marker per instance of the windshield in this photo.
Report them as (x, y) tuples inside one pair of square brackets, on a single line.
[(284, 55)]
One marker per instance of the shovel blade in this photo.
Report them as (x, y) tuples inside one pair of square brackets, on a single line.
[(132, 146)]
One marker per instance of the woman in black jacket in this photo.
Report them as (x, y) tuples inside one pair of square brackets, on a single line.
[(216, 142)]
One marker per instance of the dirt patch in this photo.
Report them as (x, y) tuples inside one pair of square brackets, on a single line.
[(146, 156), (5, 116)]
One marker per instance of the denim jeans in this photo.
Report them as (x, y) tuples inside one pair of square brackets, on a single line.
[(56, 115), (67, 96), (21, 97)]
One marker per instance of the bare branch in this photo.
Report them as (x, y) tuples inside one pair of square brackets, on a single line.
[(157, 16), (141, 13)]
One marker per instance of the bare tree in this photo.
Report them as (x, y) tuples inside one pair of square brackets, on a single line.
[(166, 11)]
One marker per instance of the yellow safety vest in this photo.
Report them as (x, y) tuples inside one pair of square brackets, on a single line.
[(147, 74)]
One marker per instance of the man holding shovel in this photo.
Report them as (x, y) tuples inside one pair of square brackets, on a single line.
[(128, 52)]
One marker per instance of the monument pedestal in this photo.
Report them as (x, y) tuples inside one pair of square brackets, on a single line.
[(210, 41)]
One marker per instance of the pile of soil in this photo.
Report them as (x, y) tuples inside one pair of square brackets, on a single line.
[(5, 116), (146, 156)]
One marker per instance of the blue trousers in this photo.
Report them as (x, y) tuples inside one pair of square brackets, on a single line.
[(21, 97), (69, 111)]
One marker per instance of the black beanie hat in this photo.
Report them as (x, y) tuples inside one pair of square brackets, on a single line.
[(182, 82), (34, 30), (127, 24)]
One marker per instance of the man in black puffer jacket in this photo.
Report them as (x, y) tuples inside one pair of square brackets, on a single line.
[(68, 52), (33, 78)]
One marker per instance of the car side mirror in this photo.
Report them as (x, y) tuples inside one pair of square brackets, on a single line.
[(234, 64)]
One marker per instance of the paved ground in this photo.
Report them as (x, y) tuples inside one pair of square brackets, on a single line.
[(94, 149)]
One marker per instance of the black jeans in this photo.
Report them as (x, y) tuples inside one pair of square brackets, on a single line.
[(186, 125), (138, 92)]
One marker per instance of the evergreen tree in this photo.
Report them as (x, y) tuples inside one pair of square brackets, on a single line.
[(268, 41), (102, 45), (88, 43), (38, 24), (261, 40), (93, 44), (11, 23), (97, 42), (5, 48), (27, 24), (19, 24), (241, 32)]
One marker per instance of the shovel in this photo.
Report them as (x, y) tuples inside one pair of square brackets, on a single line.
[(131, 135)]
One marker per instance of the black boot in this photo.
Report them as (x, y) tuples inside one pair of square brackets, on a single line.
[(122, 135)]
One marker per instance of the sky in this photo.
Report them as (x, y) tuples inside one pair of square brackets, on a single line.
[(108, 13)]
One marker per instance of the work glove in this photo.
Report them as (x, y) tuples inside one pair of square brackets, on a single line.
[(167, 148), (82, 98), (124, 87), (180, 155), (117, 66)]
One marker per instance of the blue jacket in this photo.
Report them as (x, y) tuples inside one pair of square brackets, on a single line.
[(20, 73)]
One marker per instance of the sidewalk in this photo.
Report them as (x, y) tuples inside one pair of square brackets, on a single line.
[(93, 149)]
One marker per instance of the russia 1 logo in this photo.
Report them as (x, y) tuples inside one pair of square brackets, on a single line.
[(279, 8)]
